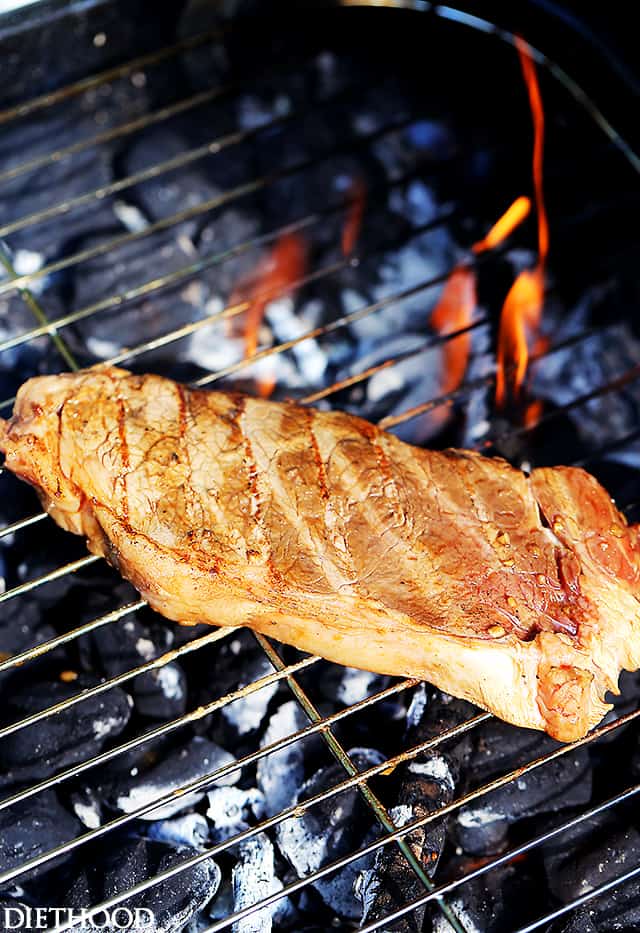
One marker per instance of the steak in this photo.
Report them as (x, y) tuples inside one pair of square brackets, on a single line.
[(517, 592)]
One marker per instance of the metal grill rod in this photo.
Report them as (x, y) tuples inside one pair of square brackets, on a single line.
[(583, 899), (301, 807), (200, 712), (213, 147), (227, 197), (344, 759), (438, 891), (105, 685), (38, 651), (205, 780), (44, 101), (71, 567), (142, 122), (192, 269)]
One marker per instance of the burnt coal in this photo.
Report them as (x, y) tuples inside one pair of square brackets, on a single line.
[(427, 783), (57, 741), (281, 773), (580, 921), (482, 826), (240, 662), (23, 626), (190, 829), (32, 828), (254, 878), (232, 810), (183, 765), (173, 902), (161, 694), (489, 902), (331, 828)]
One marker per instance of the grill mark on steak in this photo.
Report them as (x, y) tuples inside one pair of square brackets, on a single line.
[(322, 473), (124, 458)]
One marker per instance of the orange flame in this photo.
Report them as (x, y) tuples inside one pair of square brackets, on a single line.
[(353, 221), (522, 309), (453, 312), (457, 302), (504, 227), (276, 274)]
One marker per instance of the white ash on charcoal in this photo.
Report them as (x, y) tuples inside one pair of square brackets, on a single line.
[(87, 804), (254, 878), (55, 742), (334, 827), (33, 827), (425, 784), (482, 827), (189, 829), (178, 767), (238, 663), (161, 694), (280, 774), (349, 685), (587, 365), (174, 902), (231, 810)]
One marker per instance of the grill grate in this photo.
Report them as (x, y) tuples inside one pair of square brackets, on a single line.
[(26, 285)]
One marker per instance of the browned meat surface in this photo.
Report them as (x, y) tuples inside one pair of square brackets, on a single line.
[(519, 593)]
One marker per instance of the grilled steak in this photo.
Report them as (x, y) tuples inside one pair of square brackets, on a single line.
[(519, 593)]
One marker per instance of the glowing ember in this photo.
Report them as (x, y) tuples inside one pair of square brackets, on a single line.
[(454, 310), (355, 212), (277, 274), (522, 309)]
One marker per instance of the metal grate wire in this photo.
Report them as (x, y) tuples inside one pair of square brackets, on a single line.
[(318, 724)]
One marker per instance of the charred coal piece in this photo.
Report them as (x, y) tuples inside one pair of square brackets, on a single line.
[(592, 853), (173, 902), (332, 828), (22, 627), (481, 827), (232, 810), (161, 694), (254, 878), (33, 827), (489, 902), (426, 784), (238, 663), (55, 742), (181, 766), (579, 922)]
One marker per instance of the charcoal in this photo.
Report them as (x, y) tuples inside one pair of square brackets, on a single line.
[(191, 829), (127, 644), (347, 685), (482, 826), (328, 830), (31, 191), (580, 921), (173, 902), (489, 903), (183, 765), (87, 806), (281, 773), (428, 782), (105, 334), (55, 742), (232, 810), (33, 827), (161, 694), (23, 626), (254, 878), (588, 867), (237, 665)]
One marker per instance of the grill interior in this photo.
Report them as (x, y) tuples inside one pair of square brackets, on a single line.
[(216, 147)]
